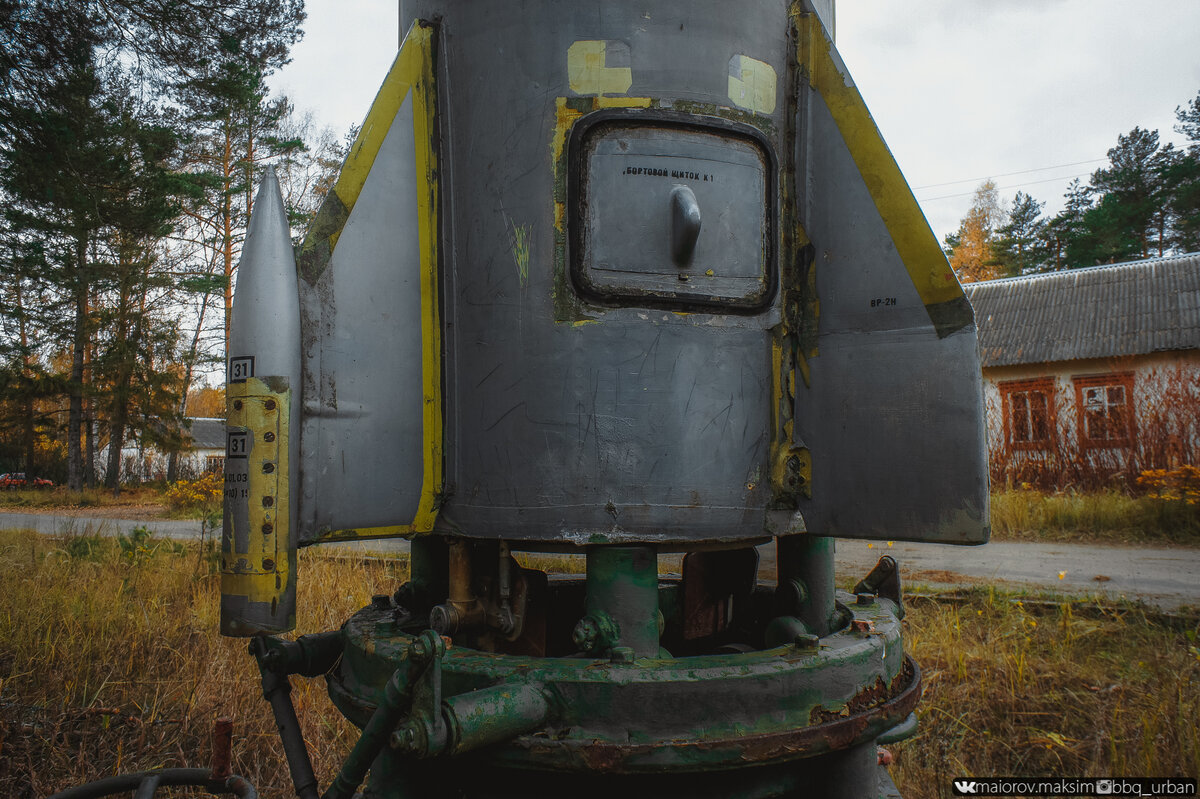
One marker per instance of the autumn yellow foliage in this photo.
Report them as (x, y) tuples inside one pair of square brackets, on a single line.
[(196, 494), (1180, 485)]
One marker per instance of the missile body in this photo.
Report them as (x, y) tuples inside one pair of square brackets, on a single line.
[(258, 541)]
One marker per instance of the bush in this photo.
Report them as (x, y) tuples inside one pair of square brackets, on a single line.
[(1173, 485), (201, 496)]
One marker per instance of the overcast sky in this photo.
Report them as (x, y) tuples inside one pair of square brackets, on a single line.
[(962, 89)]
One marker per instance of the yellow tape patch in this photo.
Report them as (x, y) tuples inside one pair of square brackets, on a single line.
[(599, 67), (752, 84)]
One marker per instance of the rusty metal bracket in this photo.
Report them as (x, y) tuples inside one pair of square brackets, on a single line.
[(884, 581), (425, 732)]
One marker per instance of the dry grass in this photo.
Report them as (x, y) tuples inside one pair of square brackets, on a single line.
[(1018, 687), (59, 498), (1103, 516), (109, 660)]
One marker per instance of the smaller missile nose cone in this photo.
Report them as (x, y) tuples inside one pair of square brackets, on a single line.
[(268, 209), (265, 323)]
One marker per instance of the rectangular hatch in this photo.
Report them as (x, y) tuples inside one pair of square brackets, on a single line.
[(672, 213)]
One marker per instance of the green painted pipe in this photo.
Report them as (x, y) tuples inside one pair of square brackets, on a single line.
[(622, 582), (494, 715), (809, 559)]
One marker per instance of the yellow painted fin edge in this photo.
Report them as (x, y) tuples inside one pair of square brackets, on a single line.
[(918, 247)]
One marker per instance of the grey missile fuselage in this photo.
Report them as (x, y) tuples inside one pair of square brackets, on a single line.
[(593, 388)]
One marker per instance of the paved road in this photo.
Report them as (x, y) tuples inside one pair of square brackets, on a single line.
[(1169, 578), (91, 525)]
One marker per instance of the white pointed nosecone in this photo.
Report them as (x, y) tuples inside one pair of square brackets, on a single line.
[(265, 322)]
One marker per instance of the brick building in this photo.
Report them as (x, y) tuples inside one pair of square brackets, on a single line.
[(1091, 375)]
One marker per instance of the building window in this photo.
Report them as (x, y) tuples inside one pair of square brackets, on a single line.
[(214, 463), (1105, 405), (1029, 413)]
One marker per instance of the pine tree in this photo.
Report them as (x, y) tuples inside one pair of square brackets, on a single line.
[(86, 205), (1021, 246), (1131, 218), (1065, 230), (236, 127), (1183, 177)]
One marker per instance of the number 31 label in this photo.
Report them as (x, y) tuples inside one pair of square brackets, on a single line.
[(241, 368), (237, 444)]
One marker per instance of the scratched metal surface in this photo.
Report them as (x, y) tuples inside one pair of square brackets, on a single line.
[(362, 422), (571, 421), (893, 414), (633, 423)]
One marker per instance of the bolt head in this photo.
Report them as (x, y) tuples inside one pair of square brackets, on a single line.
[(439, 620), (404, 739), (622, 654), (585, 634), (807, 641)]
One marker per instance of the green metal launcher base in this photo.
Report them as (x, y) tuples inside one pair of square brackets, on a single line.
[(559, 697)]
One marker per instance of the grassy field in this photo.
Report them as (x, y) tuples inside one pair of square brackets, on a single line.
[(110, 661), (59, 498), (1106, 517)]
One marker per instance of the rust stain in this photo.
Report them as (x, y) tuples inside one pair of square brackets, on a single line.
[(878, 706)]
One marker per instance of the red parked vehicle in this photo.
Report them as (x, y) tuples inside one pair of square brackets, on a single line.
[(18, 480)]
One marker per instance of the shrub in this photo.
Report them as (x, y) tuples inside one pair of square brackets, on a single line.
[(1178, 485), (201, 495)]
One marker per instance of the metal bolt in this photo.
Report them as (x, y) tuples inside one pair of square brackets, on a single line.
[(585, 634), (267, 527), (270, 405), (622, 654), (237, 405), (268, 501), (439, 620), (268, 564), (268, 437), (807, 641), (404, 739), (268, 468), (864, 599)]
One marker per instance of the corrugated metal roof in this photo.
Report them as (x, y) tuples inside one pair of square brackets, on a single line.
[(1100, 312), (207, 433)]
